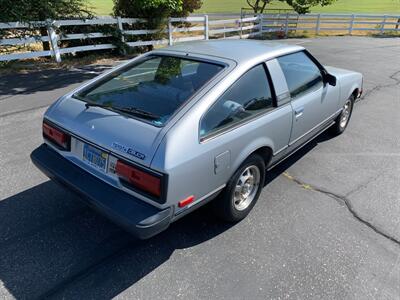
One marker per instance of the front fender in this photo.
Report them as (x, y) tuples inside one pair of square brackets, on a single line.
[(349, 81)]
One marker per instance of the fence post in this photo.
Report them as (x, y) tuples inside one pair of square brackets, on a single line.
[(121, 28), (287, 25), (351, 24), (206, 27), (260, 22), (170, 28), (53, 40), (317, 30), (241, 26), (383, 24)]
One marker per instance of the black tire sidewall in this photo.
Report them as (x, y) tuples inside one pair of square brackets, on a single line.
[(337, 129), (226, 205)]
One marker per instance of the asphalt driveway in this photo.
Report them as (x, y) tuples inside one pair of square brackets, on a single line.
[(327, 225)]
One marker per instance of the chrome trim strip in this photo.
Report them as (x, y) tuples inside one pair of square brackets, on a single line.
[(280, 150), (283, 98), (315, 127), (206, 196), (236, 125), (301, 146)]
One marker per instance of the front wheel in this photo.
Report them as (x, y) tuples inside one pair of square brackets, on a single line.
[(242, 191), (343, 119)]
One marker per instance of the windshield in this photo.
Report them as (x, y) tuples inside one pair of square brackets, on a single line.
[(152, 89)]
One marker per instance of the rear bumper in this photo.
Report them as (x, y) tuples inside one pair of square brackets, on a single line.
[(138, 217)]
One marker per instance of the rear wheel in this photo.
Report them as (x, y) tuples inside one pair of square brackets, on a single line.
[(242, 191), (343, 119)]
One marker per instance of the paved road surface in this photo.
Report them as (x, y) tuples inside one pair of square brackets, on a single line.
[(327, 225)]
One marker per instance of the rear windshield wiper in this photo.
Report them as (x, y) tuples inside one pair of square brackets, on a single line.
[(128, 110), (94, 104), (139, 112)]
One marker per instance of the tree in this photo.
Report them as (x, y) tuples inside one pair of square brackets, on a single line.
[(155, 9), (258, 6), (40, 10), (303, 6), (27, 11), (155, 12), (190, 6), (300, 6)]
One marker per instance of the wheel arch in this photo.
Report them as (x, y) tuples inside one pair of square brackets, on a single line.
[(355, 92), (265, 150)]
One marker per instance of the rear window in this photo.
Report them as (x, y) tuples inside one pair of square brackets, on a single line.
[(152, 89)]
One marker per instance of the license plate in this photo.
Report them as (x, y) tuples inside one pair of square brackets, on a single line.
[(95, 157)]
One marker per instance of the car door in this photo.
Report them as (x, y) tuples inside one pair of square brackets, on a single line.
[(309, 103), (243, 119)]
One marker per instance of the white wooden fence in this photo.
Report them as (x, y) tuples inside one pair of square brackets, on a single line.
[(200, 28), (338, 23), (189, 29)]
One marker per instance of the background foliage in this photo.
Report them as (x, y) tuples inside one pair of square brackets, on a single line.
[(300, 6), (155, 9), (40, 10)]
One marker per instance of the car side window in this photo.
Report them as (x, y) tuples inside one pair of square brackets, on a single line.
[(248, 96), (302, 74)]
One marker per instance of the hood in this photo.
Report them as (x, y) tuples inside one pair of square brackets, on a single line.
[(131, 138), (338, 72)]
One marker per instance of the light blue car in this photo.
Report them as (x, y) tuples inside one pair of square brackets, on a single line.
[(155, 138)]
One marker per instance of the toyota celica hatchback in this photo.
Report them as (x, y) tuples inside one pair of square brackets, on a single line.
[(157, 137)]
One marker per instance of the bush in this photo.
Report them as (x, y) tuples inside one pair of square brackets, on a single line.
[(155, 11), (40, 10)]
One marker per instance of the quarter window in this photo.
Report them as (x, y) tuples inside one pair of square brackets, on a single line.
[(248, 96), (301, 73)]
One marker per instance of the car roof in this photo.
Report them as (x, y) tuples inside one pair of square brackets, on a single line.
[(240, 51)]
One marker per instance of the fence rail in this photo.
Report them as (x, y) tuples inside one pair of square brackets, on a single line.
[(185, 29), (317, 23)]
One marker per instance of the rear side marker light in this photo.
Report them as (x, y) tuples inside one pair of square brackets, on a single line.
[(186, 201), (139, 179), (56, 136)]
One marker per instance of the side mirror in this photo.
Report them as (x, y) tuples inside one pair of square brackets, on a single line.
[(329, 78)]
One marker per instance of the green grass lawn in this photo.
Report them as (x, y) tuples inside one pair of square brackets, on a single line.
[(101, 7), (104, 7)]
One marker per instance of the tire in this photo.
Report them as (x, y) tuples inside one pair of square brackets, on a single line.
[(233, 206), (343, 119)]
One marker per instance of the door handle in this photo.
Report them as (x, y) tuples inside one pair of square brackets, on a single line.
[(298, 112)]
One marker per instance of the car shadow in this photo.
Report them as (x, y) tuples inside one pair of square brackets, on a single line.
[(50, 240), (24, 83), (50, 243), (291, 160)]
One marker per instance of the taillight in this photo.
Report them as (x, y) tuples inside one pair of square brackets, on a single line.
[(56, 136), (139, 179)]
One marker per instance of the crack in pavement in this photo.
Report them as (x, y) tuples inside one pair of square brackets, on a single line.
[(342, 200), (382, 86), (364, 185)]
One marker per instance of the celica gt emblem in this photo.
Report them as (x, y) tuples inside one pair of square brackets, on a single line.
[(128, 150)]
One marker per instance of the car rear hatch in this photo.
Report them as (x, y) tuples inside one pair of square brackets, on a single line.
[(115, 148), (128, 137), (116, 122)]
